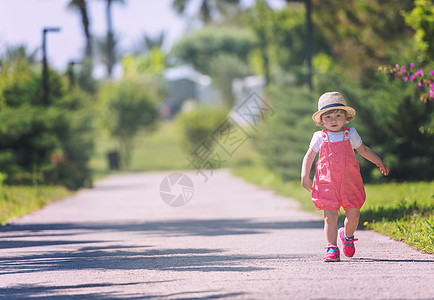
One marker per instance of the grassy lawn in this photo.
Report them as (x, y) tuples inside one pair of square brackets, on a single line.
[(403, 211), (161, 150), (154, 151), (16, 201)]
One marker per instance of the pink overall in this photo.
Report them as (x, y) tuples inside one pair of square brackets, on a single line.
[(337, 179)]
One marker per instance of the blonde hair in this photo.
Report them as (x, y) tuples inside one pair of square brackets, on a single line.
[(347, 117)]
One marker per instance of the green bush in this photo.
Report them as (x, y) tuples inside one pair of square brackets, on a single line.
[(196, 126), (284, 138), (39, 142), (390, 119), (127, 106)]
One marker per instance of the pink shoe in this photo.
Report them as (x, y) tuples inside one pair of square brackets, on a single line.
[(332, 253), (347, 244)]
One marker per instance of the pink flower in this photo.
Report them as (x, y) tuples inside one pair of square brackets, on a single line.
[(431, 73), (406, 78), (411, 65), (419, 84), (412, 77), (396, 66)]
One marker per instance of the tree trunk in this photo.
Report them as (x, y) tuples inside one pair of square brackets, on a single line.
[(86, 23), (110, 40)]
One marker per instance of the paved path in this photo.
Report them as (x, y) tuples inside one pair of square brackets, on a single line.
[(233, 240)]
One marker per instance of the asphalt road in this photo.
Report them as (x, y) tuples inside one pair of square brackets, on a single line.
[(233, 240)]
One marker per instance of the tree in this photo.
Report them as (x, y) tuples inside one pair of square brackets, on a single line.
[(107, 54), (52, 143), (127, 106), (81, 6), (147, 43), (261, 21), (219, 52), (110, 39), (283, 138), (20, 53), (362, 34), (209, 9), (421, 19), (85, 79)]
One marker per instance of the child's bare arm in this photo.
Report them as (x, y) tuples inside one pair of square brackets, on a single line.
[(367, 153), (308, 159)]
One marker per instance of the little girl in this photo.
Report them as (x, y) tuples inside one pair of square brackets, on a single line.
[(337, 179)]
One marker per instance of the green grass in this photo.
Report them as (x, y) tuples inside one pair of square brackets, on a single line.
[(16, 201), (161, 150), (403, 211), (153, 151)]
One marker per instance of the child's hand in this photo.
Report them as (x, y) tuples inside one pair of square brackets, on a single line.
[(307, 183), (384, 169)]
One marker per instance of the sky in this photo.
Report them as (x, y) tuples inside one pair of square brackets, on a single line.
[(22, 21)]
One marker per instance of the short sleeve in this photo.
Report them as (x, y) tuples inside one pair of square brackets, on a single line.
[(355, 138), (316, 141)]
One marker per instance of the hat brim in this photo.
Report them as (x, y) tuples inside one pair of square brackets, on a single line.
[(317, 116)]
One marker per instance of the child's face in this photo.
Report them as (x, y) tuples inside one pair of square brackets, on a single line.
[(334, 121)]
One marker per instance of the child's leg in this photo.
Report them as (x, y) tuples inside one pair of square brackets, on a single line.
[(331, 226), (351, 221)]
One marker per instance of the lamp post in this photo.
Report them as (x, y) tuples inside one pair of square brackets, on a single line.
[(45, 83), (70, 72)]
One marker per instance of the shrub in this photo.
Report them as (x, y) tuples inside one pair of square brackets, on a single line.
[(126, 107), (197, 124), (284, 138), (46, 143)]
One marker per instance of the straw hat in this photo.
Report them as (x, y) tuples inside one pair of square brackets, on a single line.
[(330, 101)]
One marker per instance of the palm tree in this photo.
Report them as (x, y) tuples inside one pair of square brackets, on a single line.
[(208, 8), (111, 59), (106, 54), (20, 53), (81, 6), (146, 43)]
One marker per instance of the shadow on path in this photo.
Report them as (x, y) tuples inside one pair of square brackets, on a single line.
[(33, 291), (215, 227), (370, 260), (89, 255)]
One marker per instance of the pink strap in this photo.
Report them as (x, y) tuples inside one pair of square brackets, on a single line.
[(346, 133), (325, 138)]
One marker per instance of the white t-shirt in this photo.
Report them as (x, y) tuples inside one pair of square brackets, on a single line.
[(317, 140)]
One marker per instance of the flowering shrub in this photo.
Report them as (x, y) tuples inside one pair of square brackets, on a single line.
[(412, 74)]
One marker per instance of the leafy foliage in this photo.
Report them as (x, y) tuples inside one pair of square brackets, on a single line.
[(421, 19), (361, 34), (52, 143), (197, 48), (197, 124), (222, 53), (126, 107), (283, 138), (209, 9)]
